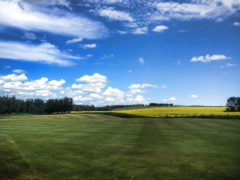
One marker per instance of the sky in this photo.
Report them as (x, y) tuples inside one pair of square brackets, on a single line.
[(107, 52)]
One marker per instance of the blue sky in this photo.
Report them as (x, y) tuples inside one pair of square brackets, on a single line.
[(121, 51)]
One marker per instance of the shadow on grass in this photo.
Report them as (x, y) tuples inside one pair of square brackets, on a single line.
[(125, 115), (12, 165)]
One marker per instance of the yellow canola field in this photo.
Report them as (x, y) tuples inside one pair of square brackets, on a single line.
[(171, 111), (178, 111)]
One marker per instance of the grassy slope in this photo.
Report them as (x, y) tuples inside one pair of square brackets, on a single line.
[(104, 147), (171, 111)]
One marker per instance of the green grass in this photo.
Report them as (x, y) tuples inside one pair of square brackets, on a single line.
[(93, 146), (217, 112)]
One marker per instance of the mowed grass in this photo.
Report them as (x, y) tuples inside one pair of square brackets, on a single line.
[(171, 112), (93, 146)]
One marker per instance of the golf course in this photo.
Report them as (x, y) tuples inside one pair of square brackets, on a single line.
[(100, 146)]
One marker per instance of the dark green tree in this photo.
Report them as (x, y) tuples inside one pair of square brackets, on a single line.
[(233, 104)]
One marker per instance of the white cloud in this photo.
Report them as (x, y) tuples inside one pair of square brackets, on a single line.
[(89, 88), (236, 23), (194, 96), (198, 9), (114, 95), (172, 99), (151, 12), (19, 71), (139, 99), (75, 40), (95, 78), (30, 36), (113, 1), (92, 89), (141, 60), (89, 45), (115, 15), (141, 86), (42, 53), (208, 58), (95, 96), (169, 99), (160, 28), (22, 15), (113, 92), (229, 3), (138, 88), (14, 77), (94, 83), (140, 30), (18, 85)]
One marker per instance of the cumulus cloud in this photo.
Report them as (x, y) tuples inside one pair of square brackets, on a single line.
[(141, 60), (18, 85), (75, 40), (93, 89), (209, 58), (93, 84), (22, 15), (95, 78), (18, 71), (160, 28), (90, 89), (43, 53), (115, 14), (13, 78), (114, 95), (194, 96)]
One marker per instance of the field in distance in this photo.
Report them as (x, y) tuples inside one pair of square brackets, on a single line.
[(96, 146), (171, 111)]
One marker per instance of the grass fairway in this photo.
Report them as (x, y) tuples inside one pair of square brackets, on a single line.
[(93, 146)]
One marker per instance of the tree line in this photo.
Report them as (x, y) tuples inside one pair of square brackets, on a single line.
[(112, 107), (102, 108), (9, 105), (161, 104)]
